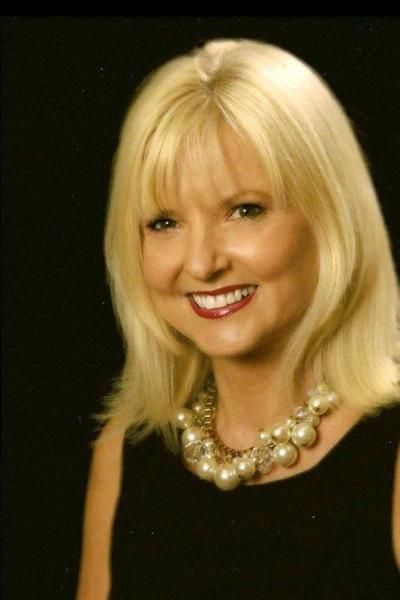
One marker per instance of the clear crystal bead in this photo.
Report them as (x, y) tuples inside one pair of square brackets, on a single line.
[(262, 458), (301, 413), (195, 452), (210, 448)]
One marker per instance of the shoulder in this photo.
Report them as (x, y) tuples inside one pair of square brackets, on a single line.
[(391, 415), (105, 470), (107, 452), (101, 499), (387, 424), (396, 511)]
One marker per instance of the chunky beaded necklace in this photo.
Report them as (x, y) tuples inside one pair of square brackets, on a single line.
[(226, 467)]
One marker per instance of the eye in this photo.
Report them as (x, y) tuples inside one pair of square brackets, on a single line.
[(161, 224), (249, 210)]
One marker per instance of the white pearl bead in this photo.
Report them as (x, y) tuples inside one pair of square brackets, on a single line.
[(303, 434), (244, 467), (264, 437), (206, 468), (197, 407), (313, 420), (225, 477), (285, 454), (322, 388), (290, 422), (183, 418), (333, 399), (191, 435), (318, 405), (281, 433)]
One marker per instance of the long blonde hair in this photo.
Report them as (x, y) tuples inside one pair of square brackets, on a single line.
[(285, 111)]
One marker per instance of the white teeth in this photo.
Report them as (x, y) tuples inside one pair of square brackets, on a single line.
[(199, 300), (222, 300), (210, 302)]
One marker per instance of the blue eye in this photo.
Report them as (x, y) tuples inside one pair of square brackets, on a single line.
[(249, 210), (160, 224)]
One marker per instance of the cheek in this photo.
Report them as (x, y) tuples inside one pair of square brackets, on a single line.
[(282, 254), (151, 267), (159, 267), (269, 257)]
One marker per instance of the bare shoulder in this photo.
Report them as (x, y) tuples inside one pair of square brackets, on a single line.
[(396, 511), (107, 454), (101, 498)]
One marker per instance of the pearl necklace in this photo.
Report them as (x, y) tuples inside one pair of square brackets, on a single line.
[(226, 467)]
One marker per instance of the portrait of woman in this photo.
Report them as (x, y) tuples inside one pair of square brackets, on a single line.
[(249, 448)]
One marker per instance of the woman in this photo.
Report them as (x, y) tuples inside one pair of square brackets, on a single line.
[(250, 445)]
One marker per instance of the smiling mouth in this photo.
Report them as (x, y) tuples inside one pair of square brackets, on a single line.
[(212, 302), (221, 307)]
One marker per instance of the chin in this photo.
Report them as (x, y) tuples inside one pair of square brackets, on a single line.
[(227, 348)]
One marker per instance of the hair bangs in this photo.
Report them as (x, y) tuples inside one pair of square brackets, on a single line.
[(180, 142), (257, 131), (157, 180), (203, 149), (263, 145)]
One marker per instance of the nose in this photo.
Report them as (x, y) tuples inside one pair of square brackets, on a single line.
[(206, 253)]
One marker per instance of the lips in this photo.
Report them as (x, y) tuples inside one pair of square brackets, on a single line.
[(216, 313)]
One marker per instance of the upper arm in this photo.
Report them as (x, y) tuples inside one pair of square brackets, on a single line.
[(396, 511), (101, 498)]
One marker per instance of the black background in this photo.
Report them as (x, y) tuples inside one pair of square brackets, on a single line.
[(67, 82)]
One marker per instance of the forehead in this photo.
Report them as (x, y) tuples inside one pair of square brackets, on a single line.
[(210, 162), (229, 169)]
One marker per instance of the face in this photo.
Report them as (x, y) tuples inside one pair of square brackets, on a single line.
[(226, 233)]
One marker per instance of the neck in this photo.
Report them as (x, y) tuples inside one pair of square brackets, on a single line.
[(250, 398)]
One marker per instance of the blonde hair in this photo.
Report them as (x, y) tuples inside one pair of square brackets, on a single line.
[(285, 111)]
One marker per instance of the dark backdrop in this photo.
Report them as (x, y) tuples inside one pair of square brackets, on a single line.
[(67, 82)]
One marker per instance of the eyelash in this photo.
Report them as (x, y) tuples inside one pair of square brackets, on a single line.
[(152, 225)]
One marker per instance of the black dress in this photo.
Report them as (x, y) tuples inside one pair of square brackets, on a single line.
[(324, 534)]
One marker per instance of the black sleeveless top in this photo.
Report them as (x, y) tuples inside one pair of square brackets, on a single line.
[(324, 534)]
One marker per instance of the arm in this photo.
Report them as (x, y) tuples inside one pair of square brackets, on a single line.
[(396, 512), (102, 494)]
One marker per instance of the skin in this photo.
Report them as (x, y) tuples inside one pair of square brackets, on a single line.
[(210, 242)]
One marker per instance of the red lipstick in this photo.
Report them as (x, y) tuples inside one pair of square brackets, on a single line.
[(217, 313)]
